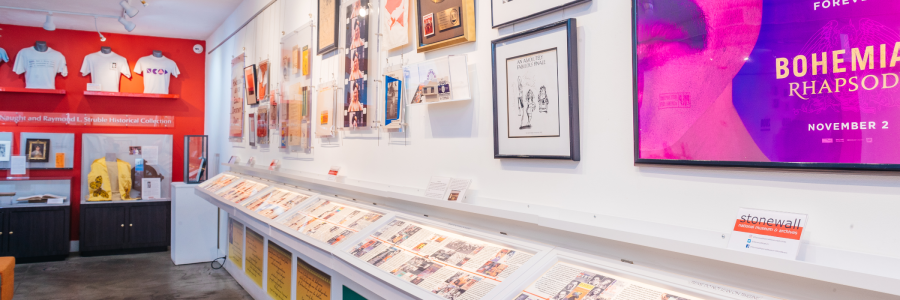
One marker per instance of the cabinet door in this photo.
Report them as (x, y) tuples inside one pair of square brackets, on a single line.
[(103, 227), (4, 244), (148, 225), (37, 232)]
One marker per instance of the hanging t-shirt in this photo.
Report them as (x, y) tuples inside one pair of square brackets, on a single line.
[(105, 69), (3, 56), (156, 72), (40, 68)]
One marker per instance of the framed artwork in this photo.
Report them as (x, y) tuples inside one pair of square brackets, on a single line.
[(328, 26), (764, 95), (508, 12), (250, 82), (535, 82), (325, 112), (262, 127), (5, 150), (395, 20), (236, 121), (392, 102), (262, 83), (252, 129), (444, 23), (355, 108), (38, 150)]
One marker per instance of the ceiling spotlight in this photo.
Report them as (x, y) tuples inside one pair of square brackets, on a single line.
[(144, 2), (102, 38), (129, 10), (128, 24), (363, 11), (48, 25)]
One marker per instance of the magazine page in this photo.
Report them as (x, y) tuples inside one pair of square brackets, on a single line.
[(570, 282), (219, 183), (447, 264), (242, 191), (276, 202), (331, 222)]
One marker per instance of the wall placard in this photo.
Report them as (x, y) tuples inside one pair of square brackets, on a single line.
[(312, 284), (278, 275), (255, 249), (236, 243)]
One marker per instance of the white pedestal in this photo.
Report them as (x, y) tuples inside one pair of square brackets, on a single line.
[(194, 226)]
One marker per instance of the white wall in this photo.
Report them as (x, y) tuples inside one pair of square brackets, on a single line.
[(850, 211)]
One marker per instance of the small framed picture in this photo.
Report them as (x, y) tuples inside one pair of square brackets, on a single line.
[(428, 24), (38, 150), (5, 149), (134, 150)]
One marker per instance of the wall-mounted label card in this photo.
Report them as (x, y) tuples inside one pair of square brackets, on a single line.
[(769, 233), (437, 187), (333, 171), (60, 160), (457, 189), (17, 165), (150, 154), (273, 165), (56, 200)]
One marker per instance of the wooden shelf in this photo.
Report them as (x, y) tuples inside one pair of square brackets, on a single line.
[(131, 95), (31, 91)]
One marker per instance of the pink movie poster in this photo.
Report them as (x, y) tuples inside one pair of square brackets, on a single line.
[(775, 83)]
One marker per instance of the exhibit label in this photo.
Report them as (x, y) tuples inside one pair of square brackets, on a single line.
[(768, 233), (255, 248), (236, 243), (312, 284), (278, 277), (9, 118)]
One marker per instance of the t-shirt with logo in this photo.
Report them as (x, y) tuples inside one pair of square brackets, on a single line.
[(40, 68), (3, 55), (156, 72), (105, 69)]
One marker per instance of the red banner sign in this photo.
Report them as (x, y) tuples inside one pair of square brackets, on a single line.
[(8, 118)]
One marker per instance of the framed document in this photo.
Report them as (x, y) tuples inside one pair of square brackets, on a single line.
[(444, 23), (328, 26), (355, 108), (508, 12), (250, 84), (535, 82)]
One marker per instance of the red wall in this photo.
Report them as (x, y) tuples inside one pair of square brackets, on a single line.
[(74, 45)]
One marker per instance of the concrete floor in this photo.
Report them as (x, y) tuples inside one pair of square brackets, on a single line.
[(136, 276)]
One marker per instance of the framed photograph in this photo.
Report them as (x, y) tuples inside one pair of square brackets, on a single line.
[(428, 24), (38, 150), (535, 82), (444, 23), (392, 95), (328, 26), (236, 119), (250, 84), (762, 96), (508, 12), (355, 106), (5, 150), (252, 130), (262, 83)]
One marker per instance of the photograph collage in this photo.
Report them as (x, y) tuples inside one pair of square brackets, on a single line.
[(276, 202), (331, 222), (570, 282), (355, 102), (447, 264), (220, 183), (242, 191)]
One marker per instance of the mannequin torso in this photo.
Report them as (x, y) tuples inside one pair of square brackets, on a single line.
[(105, 50), (40, 46)]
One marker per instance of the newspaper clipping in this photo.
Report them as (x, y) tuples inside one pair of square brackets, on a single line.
[(449, 265), (242, 191), (569, 282), (218, 184), (274, 203), (331, 222)]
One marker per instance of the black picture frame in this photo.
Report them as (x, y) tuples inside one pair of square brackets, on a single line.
[(44, 145), (322, 49), (572, 89), (494, 23), (707, 163)]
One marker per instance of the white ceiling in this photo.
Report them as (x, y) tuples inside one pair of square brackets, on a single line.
[(189, 19)]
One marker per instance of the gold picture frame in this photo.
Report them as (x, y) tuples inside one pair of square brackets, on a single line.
[(468, 24), (37, 150)]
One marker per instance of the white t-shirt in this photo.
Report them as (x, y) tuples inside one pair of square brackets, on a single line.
[(40, 68), (3, 56), (156, 72), (105, 69)]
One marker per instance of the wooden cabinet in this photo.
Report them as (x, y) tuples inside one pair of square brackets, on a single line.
[(35, 233), (124, 227)]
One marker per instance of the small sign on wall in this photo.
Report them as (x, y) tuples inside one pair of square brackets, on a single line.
[(769, 233)]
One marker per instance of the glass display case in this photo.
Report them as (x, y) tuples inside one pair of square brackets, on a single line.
[(48, 150), (44, 191), (196, 158), (442, 79), (126, 167)]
